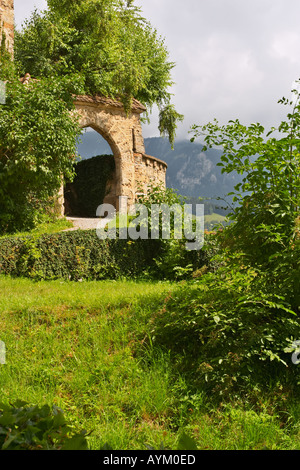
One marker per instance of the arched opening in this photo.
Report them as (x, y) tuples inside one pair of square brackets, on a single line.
[(92, 144), (95, 182)]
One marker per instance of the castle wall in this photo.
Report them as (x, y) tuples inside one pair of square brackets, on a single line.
[(149, 172), (135, 171), (7, 19)]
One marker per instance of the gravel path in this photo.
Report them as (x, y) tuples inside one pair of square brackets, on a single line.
[(83, 223)]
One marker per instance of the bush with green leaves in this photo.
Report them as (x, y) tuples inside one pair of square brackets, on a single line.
[(174, 261), (109, 43), (76, 255), (81, 255), (33, 427), (265, 221), (236, 327), (267, 201), (38, 136), (230, 330)]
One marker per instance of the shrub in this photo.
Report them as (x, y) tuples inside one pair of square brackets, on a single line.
[(38, 135), (235, 329), (174, 261), (25, 427), (267, 201), (76, 255), (81, 254), (230, 330)]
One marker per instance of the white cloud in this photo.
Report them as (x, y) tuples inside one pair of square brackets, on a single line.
[(234, 59), (285, 46)]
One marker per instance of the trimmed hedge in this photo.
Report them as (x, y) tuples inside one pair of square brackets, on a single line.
[(76, 255), (80, 254)]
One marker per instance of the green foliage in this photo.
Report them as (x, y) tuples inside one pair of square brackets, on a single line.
[(174, 261), (81, 255), (38, 146), (268, 198), (80, 346), (234, 327), (25, 427), (73, 344), (7, 69), (230, 330), (113, 48), (168, 118), (90, 185), (76, 255)]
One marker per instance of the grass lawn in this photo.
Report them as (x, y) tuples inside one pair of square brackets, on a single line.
[(82, 347), (211, 220), (44, 228)]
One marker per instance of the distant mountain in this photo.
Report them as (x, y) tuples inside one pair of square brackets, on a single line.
[(191, 172)]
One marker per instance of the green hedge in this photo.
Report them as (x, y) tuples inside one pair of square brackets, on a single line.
[(76, 255), (87, 191), (80, 254)]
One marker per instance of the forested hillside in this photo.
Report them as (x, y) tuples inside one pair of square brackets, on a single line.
[(190, 171)]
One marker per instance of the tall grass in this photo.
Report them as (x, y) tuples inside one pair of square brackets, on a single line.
[(81, 346)]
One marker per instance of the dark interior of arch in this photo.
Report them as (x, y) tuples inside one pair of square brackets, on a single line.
[(95, 173)]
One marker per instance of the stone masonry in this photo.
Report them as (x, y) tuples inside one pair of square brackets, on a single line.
[(7, 18), (135, 171)]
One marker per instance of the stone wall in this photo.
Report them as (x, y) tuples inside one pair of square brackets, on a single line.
[(149, 172), (7, 22), (134, 171)]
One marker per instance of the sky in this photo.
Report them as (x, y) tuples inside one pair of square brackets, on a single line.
[(234, 58)]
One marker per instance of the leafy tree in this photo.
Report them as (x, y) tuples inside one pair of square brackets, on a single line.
[(38, 135), (267, 200), (265, 220), (109, 43)]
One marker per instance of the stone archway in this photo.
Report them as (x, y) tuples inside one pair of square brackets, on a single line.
[(123, 133), (134, 170)]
